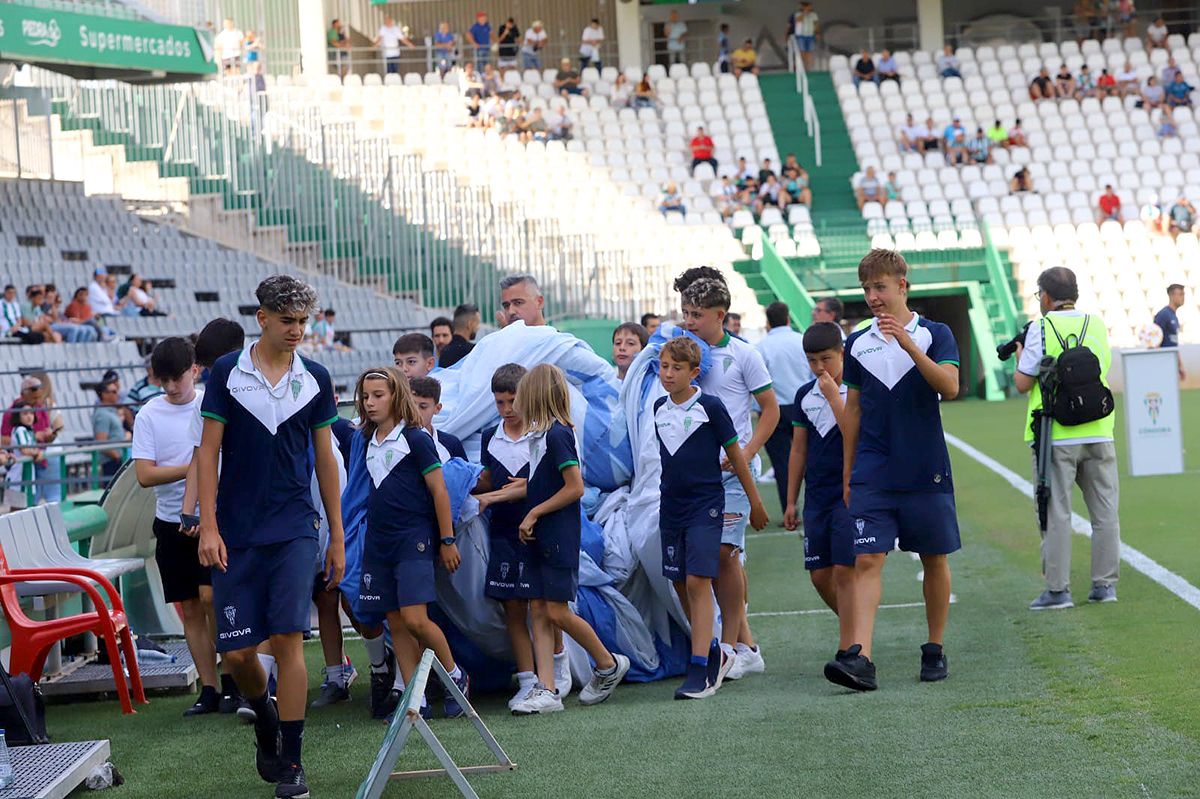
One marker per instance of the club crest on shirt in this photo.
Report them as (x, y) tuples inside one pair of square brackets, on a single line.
[(230, 614), (727, 361), (387, 458), (297, 387), (687, 423)]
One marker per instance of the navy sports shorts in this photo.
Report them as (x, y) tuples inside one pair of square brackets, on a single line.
[(691, 549), (922, 522), (506, 560), (828, 536), (536, 579), (265, 591), (385, 587)]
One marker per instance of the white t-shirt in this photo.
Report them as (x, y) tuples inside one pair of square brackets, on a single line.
[(99, 300), (162, 435), (389, 39), (738, 369), (1156, 33), (1127, 77), (591, 38), (913, 132), (534, 40), (228, 44), (675, 36)]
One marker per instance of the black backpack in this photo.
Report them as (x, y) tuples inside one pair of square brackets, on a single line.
[(22, 711), (1077, 395)]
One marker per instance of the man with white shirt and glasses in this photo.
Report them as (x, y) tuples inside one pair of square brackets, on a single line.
[(1082, 454), (783, 351)]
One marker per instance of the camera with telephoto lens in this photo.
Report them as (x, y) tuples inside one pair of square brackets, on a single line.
[(1008, 349)]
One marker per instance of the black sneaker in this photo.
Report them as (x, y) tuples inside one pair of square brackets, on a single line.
[(266, 760), (852, 670), (291, 783), (933, 663), (392, 702), (331, 694), (245, 712), (381, 686), (230, 696), (207, 702)]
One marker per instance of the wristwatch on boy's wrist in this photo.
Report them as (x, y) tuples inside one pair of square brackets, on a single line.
[(449, 541)]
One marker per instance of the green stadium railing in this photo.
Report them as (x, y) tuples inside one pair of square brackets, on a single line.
[(782, 280)]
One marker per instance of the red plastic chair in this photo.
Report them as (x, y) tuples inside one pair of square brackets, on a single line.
[(32, 640)]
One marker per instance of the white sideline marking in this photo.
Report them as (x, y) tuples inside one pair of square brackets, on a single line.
[(1140, 562), (818, 611)]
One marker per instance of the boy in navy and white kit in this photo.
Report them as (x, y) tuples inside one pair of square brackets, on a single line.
[(896, 476), (267, 413), (427, 394), (816, 459), (739, 378), (694, 431)]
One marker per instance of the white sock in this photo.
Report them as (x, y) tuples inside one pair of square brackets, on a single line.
[(456, 674), (376, 653), (525, 679), (335, 674), (559, 657), (728, 650), (268, 664), (398, 685)]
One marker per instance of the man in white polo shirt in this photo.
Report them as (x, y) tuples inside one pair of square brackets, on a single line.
[(783, 352)]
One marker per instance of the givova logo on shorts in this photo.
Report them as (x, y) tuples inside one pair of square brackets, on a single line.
[(230, 613), (860, 524)]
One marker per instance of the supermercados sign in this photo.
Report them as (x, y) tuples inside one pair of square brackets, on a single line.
[(35, 34)]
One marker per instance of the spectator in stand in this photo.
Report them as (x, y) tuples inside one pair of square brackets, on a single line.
[(445, 48), (10, 311), (1042, 86), (466, 325), (25, 446), (45, 431), (622, 92), (910, 135), (628, 340), (479, 36), (929, 136), (1168, 72), (507, 45), (253, 52), (1016, 135), (108, 425), (33, 318), (1179, 92), (1156, 34), (795, 183), (891, 187), (745, 171), (389, 38), (1110, 206), (805, 26), (566, 81), (724, 48), (869, 189), (1166, 124), (1183, 217), (771, 193), (138, 301), (1127, 80), (533, 127), (997, 134), (643, 94), (441, 332), (887, 69), (1106, 84), (70, 330), (1085, 84), (979, 147), (947, 63), (727, 198), (469, 81), (864, 69), (532, 46), (590, 42), (1152, 94), (559, 124), (675, 30), (1087, 20), (1021, 181), (767, 170), (339, 49), (490, 80), (745, 59), (671, 200), (1064, 82), (324, 332), (144, 390), (228, 46), (1168, 321), (956, 151), (702, 150), (650, 322)]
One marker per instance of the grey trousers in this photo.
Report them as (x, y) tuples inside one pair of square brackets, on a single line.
[(1094, 468)]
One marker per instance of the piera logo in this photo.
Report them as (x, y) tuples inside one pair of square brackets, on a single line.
[(45, 34)]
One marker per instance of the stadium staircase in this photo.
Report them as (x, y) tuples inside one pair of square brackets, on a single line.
[(980, 273)]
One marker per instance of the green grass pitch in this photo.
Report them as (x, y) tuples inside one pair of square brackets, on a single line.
[(1098, 701)]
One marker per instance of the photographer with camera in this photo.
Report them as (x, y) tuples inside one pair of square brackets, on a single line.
[(1063, 366)]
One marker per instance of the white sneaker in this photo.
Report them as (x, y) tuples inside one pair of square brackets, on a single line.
[(750, 661), (562, 675), (735, 670), (601, 686), (521, 695), (539, 701)]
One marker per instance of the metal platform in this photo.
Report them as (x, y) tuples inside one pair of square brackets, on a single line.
[(97, 678), (53, 771)]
